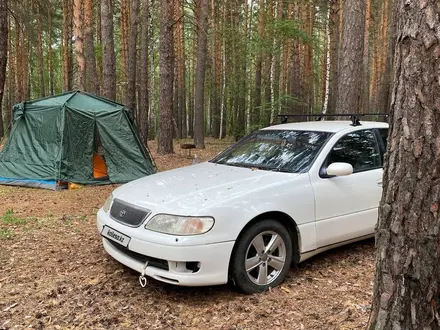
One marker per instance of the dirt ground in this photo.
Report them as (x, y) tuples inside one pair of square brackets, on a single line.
[(54, 274)]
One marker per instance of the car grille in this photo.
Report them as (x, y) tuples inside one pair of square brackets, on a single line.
[(128, 214), (153, 262)]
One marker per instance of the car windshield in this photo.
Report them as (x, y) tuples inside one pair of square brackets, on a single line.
[(275, 150)]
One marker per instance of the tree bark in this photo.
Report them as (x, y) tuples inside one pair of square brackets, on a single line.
[(19, 95), (91, 78), (266, 108), (406, 291), (26, 71), (199, 97), (350, 62), (124, 27), (334, 56), (307, 89), (277, 64), (180, 62), (327, 64), (166, 77), (11, 74), (50, 49), (132, 58), (286, 70), (295, 73), (78, 10), (144, 94), (3, 54), (108, 51), (365, 94), (255, 115), (216, 69), (67, 57), (40, 56), (240, 121), (388, 66)]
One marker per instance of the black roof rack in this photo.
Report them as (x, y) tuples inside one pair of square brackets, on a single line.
[(354, 117)]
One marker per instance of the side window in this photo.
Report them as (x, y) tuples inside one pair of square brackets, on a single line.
[(359, 149)]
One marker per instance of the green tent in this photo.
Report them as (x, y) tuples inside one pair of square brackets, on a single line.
[(73, 137)]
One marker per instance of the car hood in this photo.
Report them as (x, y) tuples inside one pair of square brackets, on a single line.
[(193, 188)]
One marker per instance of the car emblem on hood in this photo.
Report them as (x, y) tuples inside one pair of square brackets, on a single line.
[(122, 213)]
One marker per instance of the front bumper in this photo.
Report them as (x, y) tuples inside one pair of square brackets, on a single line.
[(212, 259)]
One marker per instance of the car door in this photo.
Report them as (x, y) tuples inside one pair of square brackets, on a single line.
[(347, 206)]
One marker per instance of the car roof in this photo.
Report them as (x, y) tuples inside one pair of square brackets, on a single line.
[(332, 126)]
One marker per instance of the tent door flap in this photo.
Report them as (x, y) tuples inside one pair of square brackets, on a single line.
[(99, 167)]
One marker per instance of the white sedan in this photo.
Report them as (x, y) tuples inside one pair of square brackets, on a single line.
[(276, 197)]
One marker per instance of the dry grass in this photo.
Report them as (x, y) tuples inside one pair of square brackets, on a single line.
[(54, 274)]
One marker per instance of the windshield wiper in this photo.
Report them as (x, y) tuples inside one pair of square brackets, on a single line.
[(244, 165), (280, 170)]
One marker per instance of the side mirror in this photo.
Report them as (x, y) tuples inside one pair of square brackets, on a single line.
[(339, 169)]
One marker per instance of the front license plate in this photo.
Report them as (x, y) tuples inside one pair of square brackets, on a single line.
[(115, 236)]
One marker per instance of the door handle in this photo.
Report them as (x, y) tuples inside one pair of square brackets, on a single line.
[(379, 182)]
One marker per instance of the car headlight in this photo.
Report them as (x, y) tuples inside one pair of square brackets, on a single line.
[(108, 202), (178, 225)]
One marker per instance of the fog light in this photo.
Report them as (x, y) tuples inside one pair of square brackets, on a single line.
[(193, 266)]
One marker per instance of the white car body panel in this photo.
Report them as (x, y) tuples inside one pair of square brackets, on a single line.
[(326, 212), (209, 189)]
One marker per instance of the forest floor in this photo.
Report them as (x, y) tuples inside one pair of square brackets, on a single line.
[(55, 274)]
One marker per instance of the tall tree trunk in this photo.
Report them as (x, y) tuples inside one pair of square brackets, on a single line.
[(78, 10), (390, 41), (91, 79), (255, 117), (308, 83), (327, 64), (50, 49), (3, 54), (181, 72), (382, 90), (374, 55), (407, 285), (11, 74), (152, 127), (26, 59), (216, 69), (108, 51), (180, 62), (40, 55), (19, 95), (166, 77), (295, 69), (144, 95), (199, 98), (366, 61), (277, 65), (240, 122), (132, 58), (67, 59), (334, 55), (350, 63), (286, 71), (266, 108), (124, 27), (98, 42), (236, 52), (191, 89)]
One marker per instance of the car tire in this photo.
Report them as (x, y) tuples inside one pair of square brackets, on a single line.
[(255, 271)]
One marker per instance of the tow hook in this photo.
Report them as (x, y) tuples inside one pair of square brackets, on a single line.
[(142, 279)]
